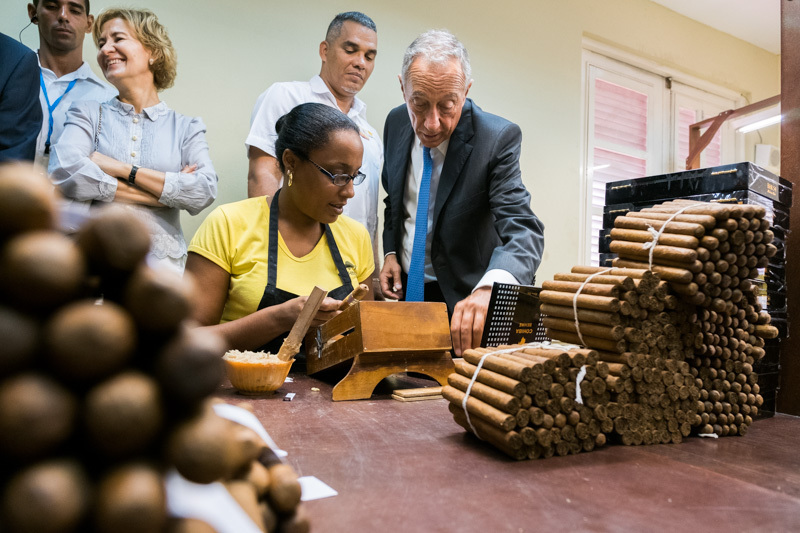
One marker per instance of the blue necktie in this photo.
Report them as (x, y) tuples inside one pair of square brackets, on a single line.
[(415, 291)]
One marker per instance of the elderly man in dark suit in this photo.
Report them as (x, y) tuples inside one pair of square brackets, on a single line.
[(20, 114), (457, 215)]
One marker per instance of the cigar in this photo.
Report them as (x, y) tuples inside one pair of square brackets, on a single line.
[(357, 294)]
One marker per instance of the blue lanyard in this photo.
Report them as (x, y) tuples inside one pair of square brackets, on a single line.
[(50, 108)]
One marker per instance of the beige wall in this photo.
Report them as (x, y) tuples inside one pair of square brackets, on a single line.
[(526, 58)]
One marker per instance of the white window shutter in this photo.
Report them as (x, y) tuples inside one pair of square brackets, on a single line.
[(621, 117)]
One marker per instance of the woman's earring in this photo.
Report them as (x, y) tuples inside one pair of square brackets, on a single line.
[(151, 60), (289, 175)]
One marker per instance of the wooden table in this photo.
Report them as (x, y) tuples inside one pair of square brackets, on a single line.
[(408, 467)]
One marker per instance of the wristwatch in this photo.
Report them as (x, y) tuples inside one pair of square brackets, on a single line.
[(132, 175)]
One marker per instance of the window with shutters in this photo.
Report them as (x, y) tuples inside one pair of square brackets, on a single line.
[(624, 134), (690, 105), (636, 123)]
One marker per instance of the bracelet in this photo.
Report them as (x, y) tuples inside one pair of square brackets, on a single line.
[(132, 175)]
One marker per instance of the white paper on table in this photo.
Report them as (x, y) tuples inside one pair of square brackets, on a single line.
[(211, 503), (248, 419), (314, 489)]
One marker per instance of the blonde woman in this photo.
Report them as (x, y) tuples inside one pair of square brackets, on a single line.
[(134, 149)]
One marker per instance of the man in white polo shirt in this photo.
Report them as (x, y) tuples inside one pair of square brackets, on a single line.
[(65, 78), (348, 58)]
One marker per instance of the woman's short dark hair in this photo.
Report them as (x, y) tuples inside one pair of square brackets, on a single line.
[(308, 127)]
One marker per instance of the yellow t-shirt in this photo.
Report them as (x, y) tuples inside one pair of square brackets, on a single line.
[(236, 237)]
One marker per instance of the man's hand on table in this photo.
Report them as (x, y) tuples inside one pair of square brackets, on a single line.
[(469, 316)]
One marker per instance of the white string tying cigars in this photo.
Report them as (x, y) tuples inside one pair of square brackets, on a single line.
[(545, 345), (469, 389), (657, 234), (578, 380), (582, 373), (575, 302)]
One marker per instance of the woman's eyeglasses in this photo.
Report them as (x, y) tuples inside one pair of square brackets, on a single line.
[(342, 179)]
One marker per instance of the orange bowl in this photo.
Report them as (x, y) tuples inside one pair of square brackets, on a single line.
[(256, 373)]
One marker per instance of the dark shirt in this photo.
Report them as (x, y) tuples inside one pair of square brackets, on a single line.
[(20, 112)]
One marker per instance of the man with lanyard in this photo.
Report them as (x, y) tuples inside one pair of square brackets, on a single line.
[(64, 77), (348, 58)]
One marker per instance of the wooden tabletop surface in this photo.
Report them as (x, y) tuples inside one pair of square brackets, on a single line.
[(407, 466)]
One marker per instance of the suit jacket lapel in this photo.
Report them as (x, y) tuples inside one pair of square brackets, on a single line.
[(398, 170), (457, 154), (401, 151)]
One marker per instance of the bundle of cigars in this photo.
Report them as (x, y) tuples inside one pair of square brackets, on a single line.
[(712, 271), (525, 401), (104, 386), (675, 324)]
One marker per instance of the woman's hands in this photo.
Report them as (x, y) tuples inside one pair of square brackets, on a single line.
[(132, 194), (251, 331), (291, 310), (110, 166)]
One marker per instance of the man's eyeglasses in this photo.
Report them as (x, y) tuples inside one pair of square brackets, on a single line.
[(341, 180)]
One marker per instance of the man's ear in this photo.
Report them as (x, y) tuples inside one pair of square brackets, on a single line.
[(468, 87), (31, 12), (323, 50), (402, 89), (90, 18)]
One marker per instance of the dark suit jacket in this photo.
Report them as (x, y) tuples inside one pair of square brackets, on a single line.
[(20, 111), (482, 218)]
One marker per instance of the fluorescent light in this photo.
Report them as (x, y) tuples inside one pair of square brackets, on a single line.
[(769, 121)]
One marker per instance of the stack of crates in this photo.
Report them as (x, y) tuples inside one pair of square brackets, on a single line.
[(737, 183)]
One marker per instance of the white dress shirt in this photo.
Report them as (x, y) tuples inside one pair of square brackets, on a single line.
[(87, 87), (411, 196), (281, 98)]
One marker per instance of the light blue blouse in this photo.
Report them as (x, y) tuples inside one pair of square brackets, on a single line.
[(158, 138)]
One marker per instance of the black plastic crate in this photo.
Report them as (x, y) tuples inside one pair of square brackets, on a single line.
[(768, 384), (738, 176), (781, 323), (776, 280), (771, 360), (611, 212), (773, 301), (605, 259), (604, 240)]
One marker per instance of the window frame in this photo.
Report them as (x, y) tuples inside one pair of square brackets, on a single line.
[(675, 85), (710, 105)]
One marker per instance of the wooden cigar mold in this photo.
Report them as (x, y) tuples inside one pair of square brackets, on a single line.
[(378, 339)]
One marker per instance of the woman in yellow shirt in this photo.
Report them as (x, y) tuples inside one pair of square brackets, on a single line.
[(255, 261)]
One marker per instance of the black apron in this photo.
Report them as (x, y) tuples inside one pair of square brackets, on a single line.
[(274, 296)]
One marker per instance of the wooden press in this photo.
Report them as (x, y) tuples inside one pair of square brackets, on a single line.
[(378, 339)]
